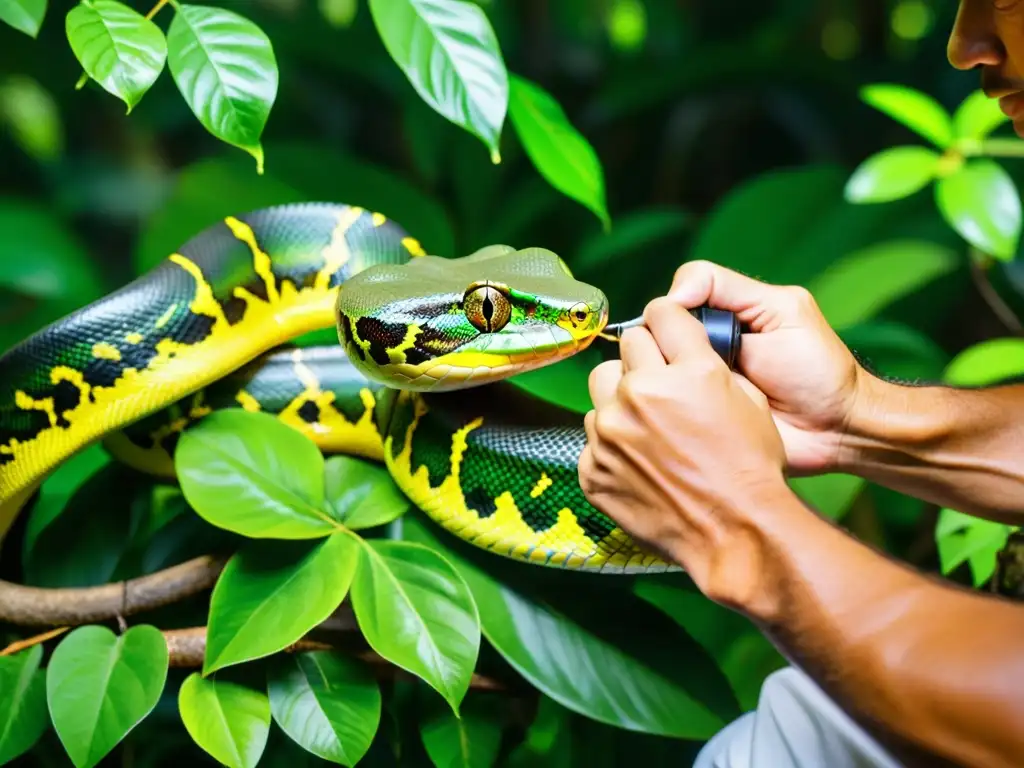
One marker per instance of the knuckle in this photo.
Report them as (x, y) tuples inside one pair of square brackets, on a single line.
[(800, 297)]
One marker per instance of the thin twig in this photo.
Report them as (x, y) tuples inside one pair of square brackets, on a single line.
[(991, 296), (38, 606), (28, 642)]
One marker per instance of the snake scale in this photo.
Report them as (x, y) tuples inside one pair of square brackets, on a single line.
[(415, 382)]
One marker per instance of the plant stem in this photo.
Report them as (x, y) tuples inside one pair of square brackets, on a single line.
[(156, 9), (991, 296), (1001, 148)]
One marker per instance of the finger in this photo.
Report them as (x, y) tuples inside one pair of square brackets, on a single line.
[(679, 335), (604, 381), (697, 283), (588, 426), (639, 350)]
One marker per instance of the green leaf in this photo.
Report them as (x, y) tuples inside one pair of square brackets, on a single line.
[(977, 116), (327, 703), (272, 593), (892, 174), (471, 740), (361, 494), (632, 667), (564, 384), (449, 52), (849, 291), (228, 720), (961, 538), (916, 110), (251, 474), (117, 47), (559, 152), (24, 15), (633, 232), (23, 713), (831, 495), (33, 116), (99, 686), (985, 363), (894, 350), (981, 203), (418, 613), (225, 69)]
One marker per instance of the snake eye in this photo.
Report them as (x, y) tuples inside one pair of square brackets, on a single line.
[(579, 314), (487, 307)]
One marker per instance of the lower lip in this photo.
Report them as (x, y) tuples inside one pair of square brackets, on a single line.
[(1012, 105)]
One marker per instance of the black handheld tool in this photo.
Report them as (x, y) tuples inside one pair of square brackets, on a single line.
[(723, 329)]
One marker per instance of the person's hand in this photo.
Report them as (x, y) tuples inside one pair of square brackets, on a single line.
[(809, 376), (682, 453)]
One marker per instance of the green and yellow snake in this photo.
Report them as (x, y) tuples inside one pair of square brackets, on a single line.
[(210, 328)]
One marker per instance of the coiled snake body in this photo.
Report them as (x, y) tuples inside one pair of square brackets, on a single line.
[(415, 381)]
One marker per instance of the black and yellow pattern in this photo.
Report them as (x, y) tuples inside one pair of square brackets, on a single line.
[(209, 329)]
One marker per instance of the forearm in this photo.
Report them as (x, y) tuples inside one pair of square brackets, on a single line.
[(938, 668), (957, 448)]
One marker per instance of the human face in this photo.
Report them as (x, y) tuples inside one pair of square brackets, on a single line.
[(988, 35)]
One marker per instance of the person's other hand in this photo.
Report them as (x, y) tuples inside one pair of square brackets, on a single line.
[(682, 453), (793, 356)]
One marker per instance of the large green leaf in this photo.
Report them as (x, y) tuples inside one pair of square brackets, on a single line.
[(251, 474), (471, 740), (961, 538), (627, 665), (23, 713), (977, 116), (272, 593), (850, 290), (228, 720), (560, 153), (225, 69), (896, 351), (831, 495), (987, 362), (328, 703), (24, 15), (416, 611), (117, 47), (916, 110), (361, 494), (980, 201), (633, 232), (99, 686), (451, 55), (892, 174)]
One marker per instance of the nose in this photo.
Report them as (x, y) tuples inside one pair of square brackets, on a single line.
[(974, 41)]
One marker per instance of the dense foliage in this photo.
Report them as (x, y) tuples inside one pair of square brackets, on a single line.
[(801, 145)]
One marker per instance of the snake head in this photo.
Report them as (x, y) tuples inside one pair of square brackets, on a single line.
[(436, 324)]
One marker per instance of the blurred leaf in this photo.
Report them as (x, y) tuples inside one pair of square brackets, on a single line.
[(897, 351), (559, 152), (117, 47), (33, 116), (892, 174), (361, 494), (224, 67), (961, 538), (980, 201), (272, 593), (472, 740), (451, 55), (24, 15), (985, 363), (251, 474), (977, 116), (632, 232), (416, 611), (99, 686), (831, 495), (327, 703), (40, 257), (339, 13), (548, 740), (631, 667), (849, 291), (23, 713), (228, 720), (916, 110), (565, 383)]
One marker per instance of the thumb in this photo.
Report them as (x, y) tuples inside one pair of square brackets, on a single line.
[(702, 282)]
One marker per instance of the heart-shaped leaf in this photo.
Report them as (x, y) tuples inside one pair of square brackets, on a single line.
[(980, 201), (449, 52), (24, 15), (916, 110), (272, 593), (559, 152), (225, 68), (99, 686), (987, 362), (977, 116), (892, 174), (117, 47), (228, 720), (251, 474), (362, 494), (23, 714), (328, 703), (417, 612)]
